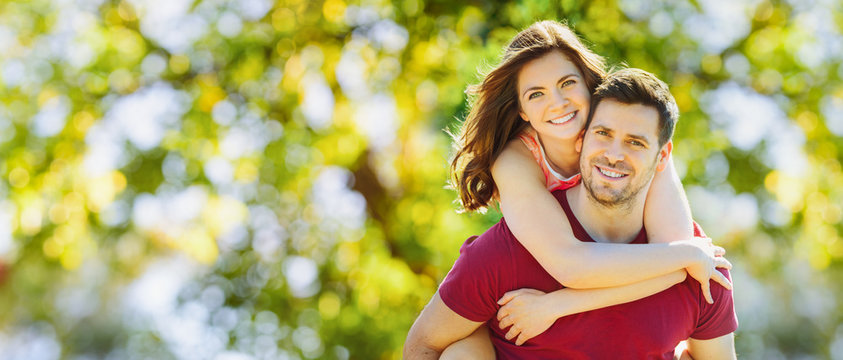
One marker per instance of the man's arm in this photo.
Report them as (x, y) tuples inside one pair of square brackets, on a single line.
[(718, 348), (436, 327)]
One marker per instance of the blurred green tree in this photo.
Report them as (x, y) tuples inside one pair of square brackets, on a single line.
[(238, 179)]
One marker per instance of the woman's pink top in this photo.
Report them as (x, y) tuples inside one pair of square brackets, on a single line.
[(553, 179)]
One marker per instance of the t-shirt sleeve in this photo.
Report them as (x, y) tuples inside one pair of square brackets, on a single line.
[(716, 319), (472, 287)]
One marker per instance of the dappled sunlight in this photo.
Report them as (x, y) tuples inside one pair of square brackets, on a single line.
[(262, 179)]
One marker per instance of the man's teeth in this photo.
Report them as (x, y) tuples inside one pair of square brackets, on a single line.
[(563, 119), (610, 173)]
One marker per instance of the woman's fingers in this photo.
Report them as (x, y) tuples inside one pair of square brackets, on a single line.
[(506, 321), (503, 312), (722, 280), (706, 290), (508, 296), (521, 339), (721, 262), (512, 333)]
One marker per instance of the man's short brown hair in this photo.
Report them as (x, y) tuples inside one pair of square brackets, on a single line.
[(636, 86)]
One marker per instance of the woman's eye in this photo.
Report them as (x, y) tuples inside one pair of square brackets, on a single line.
[(602, 133), (568, 82), (534, 95)]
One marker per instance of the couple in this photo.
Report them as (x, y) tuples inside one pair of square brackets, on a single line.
[(544, 118)]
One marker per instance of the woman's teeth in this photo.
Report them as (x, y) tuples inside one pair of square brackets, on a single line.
[(563, 119)]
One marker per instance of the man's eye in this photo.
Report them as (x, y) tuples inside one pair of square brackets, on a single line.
[(534, 95), (636, 143)]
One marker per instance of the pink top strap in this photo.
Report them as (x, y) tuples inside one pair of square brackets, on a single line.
[(553, 180)]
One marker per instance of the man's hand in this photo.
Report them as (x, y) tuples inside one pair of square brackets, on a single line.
[(709, 258), (436, 327)]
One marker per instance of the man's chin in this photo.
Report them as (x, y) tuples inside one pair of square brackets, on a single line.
[(608, 198)]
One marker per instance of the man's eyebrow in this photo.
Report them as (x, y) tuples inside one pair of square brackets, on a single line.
[(600, 127), (561, 79), (641, 138)]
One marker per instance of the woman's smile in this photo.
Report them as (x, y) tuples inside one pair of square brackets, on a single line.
[(564, 118)]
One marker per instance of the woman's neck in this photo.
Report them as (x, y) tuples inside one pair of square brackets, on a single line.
[(562, 156)]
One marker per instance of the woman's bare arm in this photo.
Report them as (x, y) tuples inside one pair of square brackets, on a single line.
[(530, 312), (667, 216), (539, 223)]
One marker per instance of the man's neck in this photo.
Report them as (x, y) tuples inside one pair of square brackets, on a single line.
[(618, 224)]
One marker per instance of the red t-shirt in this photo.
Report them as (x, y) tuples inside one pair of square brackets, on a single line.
[(649, 328)]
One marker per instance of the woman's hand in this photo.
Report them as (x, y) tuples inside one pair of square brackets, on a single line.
[(710, 257), (529, 312)]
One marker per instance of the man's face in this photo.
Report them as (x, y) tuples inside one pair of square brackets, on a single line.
[(620, 152)]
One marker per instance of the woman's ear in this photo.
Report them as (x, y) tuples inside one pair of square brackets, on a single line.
[(578, 144)]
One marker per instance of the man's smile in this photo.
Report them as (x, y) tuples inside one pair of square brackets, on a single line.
[(610, 173)]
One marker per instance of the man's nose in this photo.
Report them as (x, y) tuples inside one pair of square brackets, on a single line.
[(614, 152)]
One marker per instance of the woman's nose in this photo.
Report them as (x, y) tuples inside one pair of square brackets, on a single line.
[(560, 99)]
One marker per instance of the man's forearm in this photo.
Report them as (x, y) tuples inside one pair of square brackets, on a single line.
[(417, 345), (436, 328), (722, 347)]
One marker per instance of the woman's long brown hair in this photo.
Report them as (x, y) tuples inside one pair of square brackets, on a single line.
[(493, 119)]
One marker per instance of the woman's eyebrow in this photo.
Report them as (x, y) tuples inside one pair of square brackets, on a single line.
[(531, 89), (561, 79), (565, 77)]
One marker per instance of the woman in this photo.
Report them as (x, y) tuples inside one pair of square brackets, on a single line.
[(517, 143)]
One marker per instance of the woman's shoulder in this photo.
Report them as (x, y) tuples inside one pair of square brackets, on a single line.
[(516, 151), (524, 144), (516, 161)]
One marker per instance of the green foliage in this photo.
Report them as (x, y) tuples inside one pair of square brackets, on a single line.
[(185, 178)]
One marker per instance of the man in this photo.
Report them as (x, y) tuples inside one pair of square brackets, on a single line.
[(627, 139)]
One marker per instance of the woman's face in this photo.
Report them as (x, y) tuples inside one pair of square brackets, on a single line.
[(553, 96)]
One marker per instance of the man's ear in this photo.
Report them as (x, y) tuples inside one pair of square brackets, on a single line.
[(664, 155), (578, 144)]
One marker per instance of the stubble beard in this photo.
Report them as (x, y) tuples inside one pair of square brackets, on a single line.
[(621, 199)]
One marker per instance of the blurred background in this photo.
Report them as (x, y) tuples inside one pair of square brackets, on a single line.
[(219, 179)]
